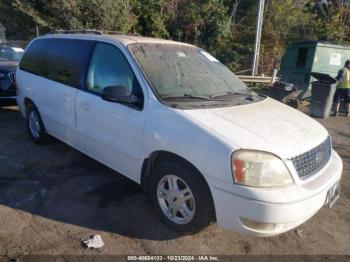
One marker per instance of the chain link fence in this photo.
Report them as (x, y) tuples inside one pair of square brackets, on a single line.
[(20, 36)]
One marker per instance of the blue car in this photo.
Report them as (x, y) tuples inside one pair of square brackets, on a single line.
[(9, 58)]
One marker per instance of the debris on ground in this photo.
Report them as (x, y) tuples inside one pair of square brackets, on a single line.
[(299, 232), (94, 242)]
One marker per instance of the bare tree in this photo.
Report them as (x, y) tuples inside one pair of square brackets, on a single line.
[(233, 15)]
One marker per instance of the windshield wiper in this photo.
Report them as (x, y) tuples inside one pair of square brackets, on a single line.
[(230, 93), (186, 96)]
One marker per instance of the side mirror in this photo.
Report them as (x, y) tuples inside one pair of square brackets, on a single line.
[(120, 94)]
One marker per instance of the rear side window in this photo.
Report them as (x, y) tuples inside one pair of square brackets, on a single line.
[(67, 59), (33, 59)]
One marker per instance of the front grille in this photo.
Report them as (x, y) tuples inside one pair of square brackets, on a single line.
[(12, 77), (312, 161)]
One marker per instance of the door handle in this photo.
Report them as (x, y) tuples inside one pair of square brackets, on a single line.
[(85, 105)]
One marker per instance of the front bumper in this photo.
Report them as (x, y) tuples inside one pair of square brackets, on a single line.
[(286, 207), (7, 93), (8, 101)]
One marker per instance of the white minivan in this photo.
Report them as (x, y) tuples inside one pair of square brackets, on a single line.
[(172, 118)]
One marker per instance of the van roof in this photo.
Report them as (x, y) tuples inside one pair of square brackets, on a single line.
[(124, 39)]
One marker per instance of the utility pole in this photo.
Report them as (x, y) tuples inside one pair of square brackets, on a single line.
[(259, 22)]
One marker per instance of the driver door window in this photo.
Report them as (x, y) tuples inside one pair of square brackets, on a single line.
[(109, 67)]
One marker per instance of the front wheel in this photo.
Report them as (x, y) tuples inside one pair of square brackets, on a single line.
[(181, 197)]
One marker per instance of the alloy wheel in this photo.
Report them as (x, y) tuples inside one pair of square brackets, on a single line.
[(176, 199), (34, 124)]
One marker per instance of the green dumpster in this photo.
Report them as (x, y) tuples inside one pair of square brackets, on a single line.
[(303, 58)]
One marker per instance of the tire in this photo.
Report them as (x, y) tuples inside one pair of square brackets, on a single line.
[(198, 211), (292, 103), (35, 125)]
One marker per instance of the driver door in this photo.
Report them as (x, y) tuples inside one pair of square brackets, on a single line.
[(110, 132)]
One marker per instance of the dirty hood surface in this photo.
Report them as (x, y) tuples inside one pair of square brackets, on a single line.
[(267, 125)]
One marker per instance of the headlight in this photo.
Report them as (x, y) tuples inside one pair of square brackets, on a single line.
[(2, 75), (259, 169)]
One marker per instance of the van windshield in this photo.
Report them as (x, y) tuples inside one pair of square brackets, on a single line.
[(177, 71)]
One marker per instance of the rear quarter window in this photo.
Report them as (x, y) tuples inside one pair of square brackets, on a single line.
[(33, 58)]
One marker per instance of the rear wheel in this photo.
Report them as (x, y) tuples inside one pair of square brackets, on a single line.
[(35, 126), (181, 197)]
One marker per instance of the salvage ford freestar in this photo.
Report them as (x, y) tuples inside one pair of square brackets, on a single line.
[(171, 117)]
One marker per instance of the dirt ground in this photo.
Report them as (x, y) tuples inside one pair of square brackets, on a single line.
[(52, 196)]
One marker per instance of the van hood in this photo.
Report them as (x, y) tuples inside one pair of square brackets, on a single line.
[(267, 126)]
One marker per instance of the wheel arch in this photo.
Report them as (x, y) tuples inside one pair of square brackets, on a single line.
[(154, 158), (27, 101), (161, 155)]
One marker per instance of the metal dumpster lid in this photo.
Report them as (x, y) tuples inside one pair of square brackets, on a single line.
[(324, 78)]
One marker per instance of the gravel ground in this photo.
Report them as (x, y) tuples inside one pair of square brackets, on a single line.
[(52, 196)]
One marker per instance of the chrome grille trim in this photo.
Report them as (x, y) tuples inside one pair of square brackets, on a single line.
[(11, 76), (312, 161)]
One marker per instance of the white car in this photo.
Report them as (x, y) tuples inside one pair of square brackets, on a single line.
[(171, 117)]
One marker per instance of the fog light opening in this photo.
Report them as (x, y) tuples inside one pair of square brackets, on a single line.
[(259, 226)]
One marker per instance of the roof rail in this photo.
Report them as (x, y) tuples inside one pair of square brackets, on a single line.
[(109, 32), (77, 31), (91, 31)]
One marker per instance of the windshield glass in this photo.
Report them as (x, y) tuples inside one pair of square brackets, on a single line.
[(10, 53), (179, 70)]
